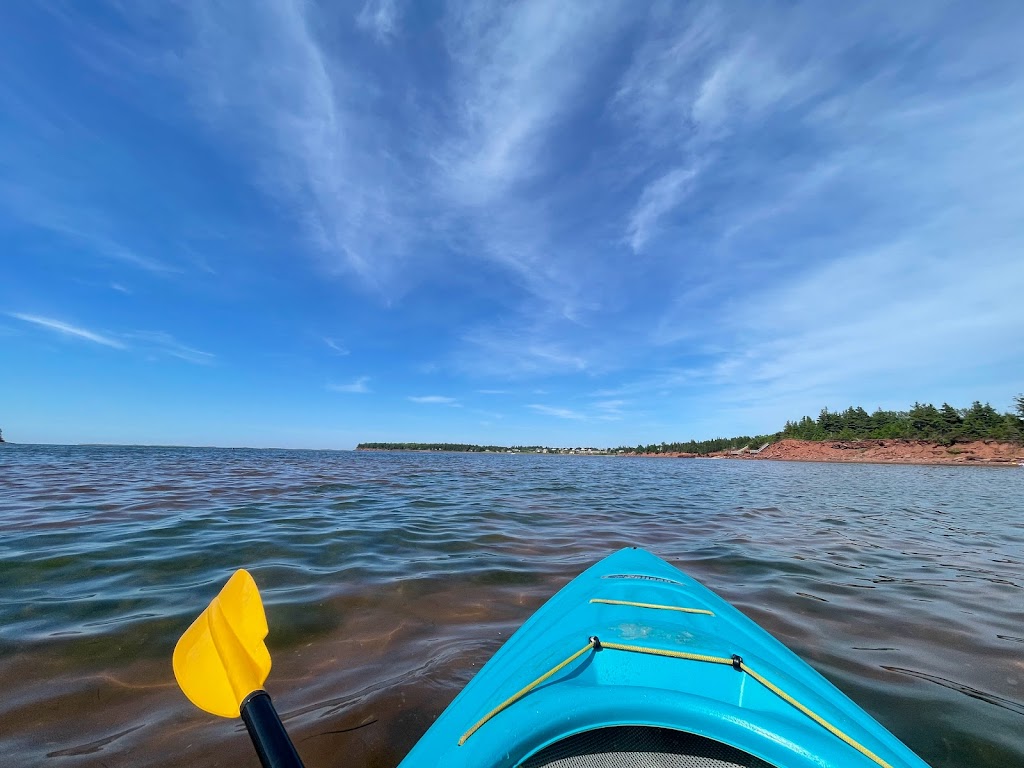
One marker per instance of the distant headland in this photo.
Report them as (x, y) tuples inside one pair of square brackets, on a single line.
[(468, 448), (923, 434)]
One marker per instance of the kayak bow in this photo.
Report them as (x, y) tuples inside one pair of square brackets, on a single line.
[(634, 663)]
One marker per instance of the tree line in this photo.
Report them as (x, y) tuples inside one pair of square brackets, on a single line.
[(945, 425), (701, 447)]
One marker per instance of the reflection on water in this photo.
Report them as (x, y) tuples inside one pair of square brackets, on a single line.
[(391, 578)]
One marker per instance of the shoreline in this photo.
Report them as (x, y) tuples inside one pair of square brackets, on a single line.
[(871, 451), (875, 451)]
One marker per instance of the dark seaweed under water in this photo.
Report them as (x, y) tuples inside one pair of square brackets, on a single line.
[(390, 578)]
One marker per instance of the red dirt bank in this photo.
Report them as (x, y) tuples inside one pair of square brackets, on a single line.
[(889, 452)]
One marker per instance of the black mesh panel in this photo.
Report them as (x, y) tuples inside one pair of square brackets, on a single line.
[(640, 747)]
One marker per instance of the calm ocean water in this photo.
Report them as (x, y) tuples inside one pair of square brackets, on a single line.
[(390, 578)]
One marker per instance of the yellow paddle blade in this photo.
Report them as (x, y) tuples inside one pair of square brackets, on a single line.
[(221, 658)]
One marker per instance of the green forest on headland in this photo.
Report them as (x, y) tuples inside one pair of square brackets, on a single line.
[(945, 425)]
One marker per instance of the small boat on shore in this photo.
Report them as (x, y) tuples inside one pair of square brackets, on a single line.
[(631, 664)]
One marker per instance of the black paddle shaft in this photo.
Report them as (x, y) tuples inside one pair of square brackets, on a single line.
[(267, 733)]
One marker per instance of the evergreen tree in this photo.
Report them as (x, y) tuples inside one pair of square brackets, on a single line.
[(980, 420), (1011, 429), (858, 421), (830, 423), (886, 424), (925, 420), (951, 420)]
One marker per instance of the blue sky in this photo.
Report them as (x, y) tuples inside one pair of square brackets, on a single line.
[(574, 223)]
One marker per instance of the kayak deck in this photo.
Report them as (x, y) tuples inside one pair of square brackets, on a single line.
[(634, 652)]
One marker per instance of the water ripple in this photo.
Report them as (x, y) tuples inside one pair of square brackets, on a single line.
[(390, 578)]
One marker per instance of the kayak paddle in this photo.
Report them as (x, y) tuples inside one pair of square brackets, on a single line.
[(221, 663)]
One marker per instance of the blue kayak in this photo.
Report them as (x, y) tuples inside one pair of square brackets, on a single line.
[(635, 664)]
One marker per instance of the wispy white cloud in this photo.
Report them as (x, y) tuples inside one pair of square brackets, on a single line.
[(824, 269), (602, 411), (117, 252), (359, 386), (654, 95), (490, 415), (310, 124), (380, 18), (159, 343), (909, 334), (872, 328), (517, 71), (434, 400), (44, 200), (659, 198), (50, 187), (163, 343), (688, 89), (336, 346), (710, 68), (67, 329), (560, 413), (494, 391), (519, 352), (520, 73), (367, 172)]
